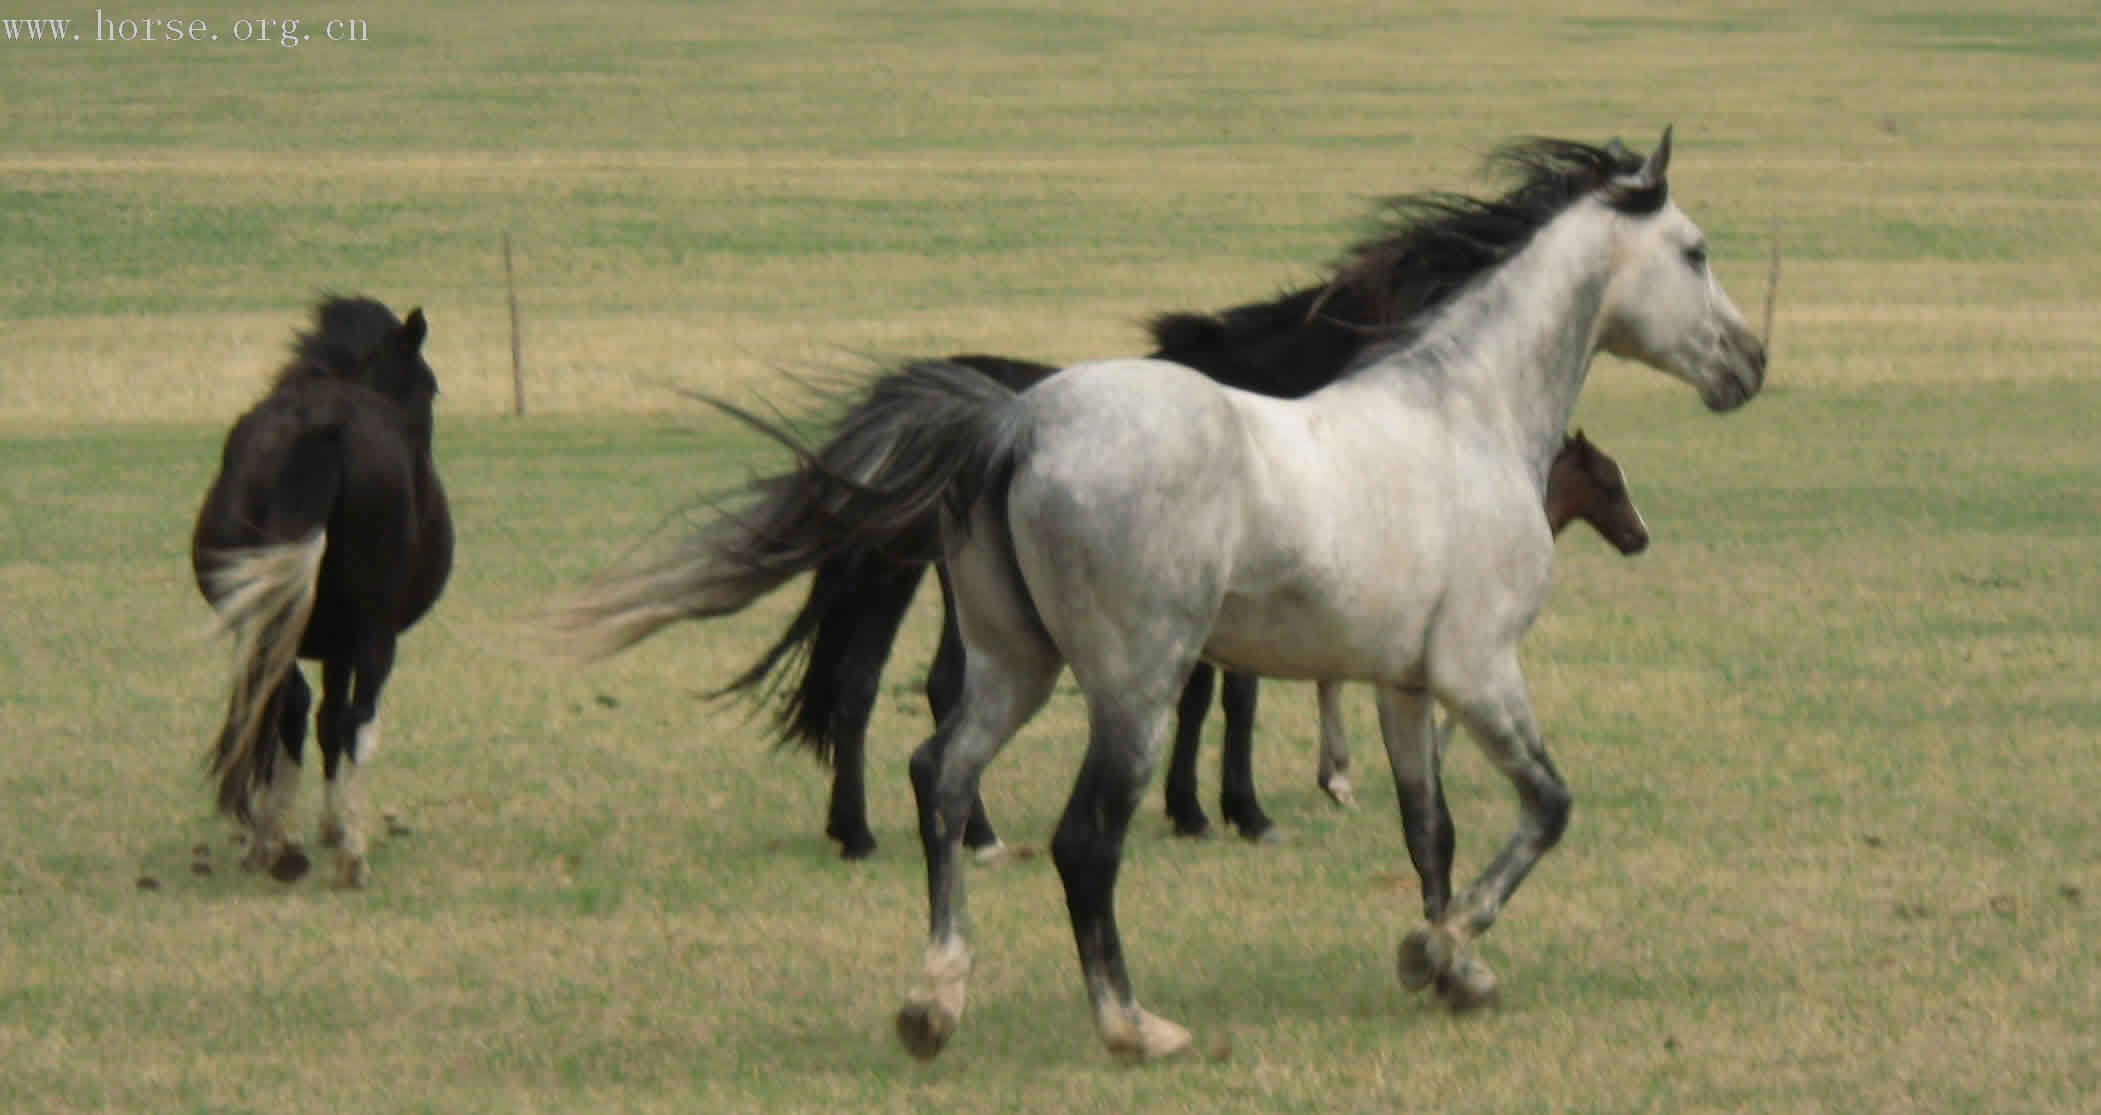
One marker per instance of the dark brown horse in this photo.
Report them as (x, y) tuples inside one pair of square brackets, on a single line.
[(324, 536), (1587, 484)]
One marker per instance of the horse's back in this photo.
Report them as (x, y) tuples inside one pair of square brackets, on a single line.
[(1301, 537), (1143, 440)]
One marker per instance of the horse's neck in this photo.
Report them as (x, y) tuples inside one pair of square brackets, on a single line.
[(416, 425), (1517, 345), (1561, 511)]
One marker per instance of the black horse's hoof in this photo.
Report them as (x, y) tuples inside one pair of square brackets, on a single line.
[(1264, 833), (855, 841), (1256, 829), (1193, 828), (291, 866)]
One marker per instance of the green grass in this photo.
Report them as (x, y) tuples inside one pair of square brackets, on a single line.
[(1826, 740), (1831, 739)]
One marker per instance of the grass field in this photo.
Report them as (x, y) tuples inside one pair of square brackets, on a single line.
[(1832, 738)]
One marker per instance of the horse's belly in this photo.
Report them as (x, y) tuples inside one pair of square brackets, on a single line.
[(1288, 638)]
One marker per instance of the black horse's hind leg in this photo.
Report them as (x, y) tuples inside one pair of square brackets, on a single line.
[(882, 595), (294, 704), (846, 818), (944, 690), (1236, 792), (332, 725), (271, 845), (1088, 850), (350, 690), (1183, 806)]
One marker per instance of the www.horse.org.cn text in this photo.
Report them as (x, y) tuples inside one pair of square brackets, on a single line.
[(166, 30)]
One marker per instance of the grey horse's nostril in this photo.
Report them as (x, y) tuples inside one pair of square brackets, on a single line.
[(1754, 353)]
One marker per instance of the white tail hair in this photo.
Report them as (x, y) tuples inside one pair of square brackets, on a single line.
[(263, 596)]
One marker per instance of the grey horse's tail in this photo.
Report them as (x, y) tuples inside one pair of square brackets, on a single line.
[(924, 435)]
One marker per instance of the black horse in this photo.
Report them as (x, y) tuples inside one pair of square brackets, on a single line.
[(829, 660), (324, 536)]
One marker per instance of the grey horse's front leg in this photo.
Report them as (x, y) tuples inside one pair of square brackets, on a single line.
[(1413, 749), (1500, 716)]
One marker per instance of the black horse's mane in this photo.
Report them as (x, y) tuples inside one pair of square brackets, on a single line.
[(1426, 248), (345, 332)]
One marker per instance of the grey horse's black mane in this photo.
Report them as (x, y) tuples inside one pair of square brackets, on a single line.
[(1431, 245), (1424, 249)]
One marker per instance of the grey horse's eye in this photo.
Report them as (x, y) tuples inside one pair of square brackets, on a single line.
[(1696, 257)]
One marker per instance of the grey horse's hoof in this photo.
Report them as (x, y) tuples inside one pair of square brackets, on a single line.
[(1144, 1036), (1419, 961), (1469, 985), (1433, 956), (925, 1029)]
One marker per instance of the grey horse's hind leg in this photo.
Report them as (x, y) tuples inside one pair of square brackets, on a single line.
[(1499, 713), (1001, 690), (1334, 773), (944, 691), (1088, 849)]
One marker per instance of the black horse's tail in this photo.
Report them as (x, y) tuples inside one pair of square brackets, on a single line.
[(264, 594), (872, 491), (827, 664)]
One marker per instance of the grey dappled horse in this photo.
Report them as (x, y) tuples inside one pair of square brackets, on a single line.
[(1383, 529), (1127, 518)]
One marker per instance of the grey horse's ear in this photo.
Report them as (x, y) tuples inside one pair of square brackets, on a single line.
[(1642, 189), (1658, 162)]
